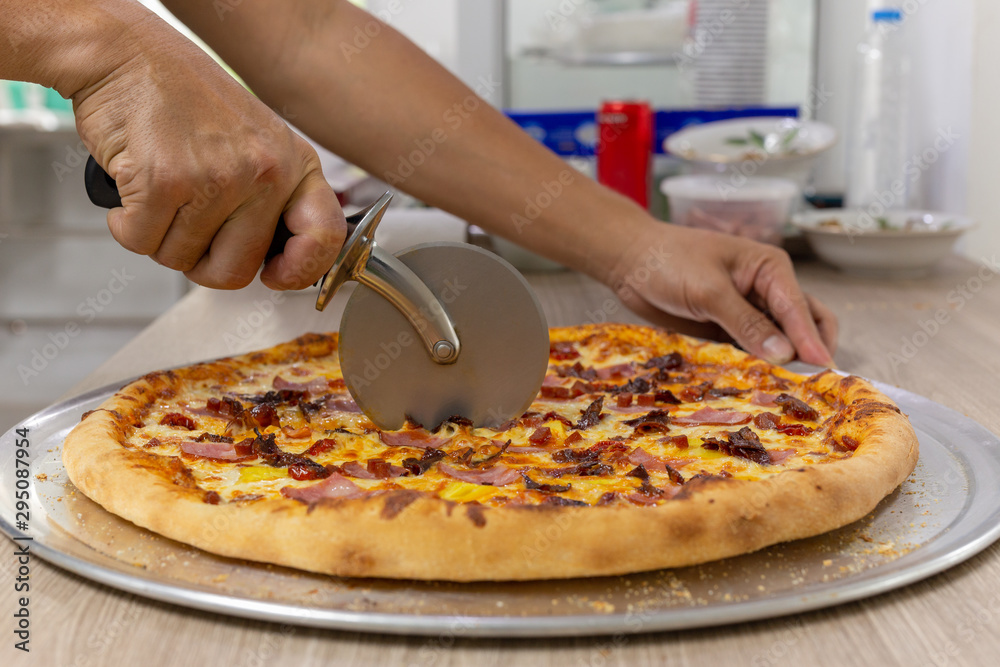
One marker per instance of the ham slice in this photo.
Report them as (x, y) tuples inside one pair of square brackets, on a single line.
[(616, 371), (222, 451), (355, 469), (315, 386), (498, 475), (340, 405), (712, 417), (763, 399), (416, 438), (780, 455), (525, 450), (334, 486), (640, 456)]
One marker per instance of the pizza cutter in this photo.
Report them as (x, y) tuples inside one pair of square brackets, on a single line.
[(439, 330)]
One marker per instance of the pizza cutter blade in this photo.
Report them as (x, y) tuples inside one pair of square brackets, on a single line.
[(439, 330)]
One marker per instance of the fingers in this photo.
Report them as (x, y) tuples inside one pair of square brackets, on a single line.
[(146, 212), (317, 222), (789, 306), (826, 322), (749, 327)]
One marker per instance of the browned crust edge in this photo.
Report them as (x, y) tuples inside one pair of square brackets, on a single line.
[(429, 538)]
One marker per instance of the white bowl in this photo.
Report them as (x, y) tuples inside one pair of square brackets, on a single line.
[(754, 208), (898, 244), (774, 147)]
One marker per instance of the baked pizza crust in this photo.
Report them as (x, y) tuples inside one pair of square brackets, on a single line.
[(402, 534)]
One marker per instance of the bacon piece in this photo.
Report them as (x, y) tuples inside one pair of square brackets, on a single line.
[(647, 494), (743, 443), (544, 488), (607, 498), (633, 386), (666, 396), (334, 486), (314, 387), (220, 451), (616, 371), (794, 429), (212, 437), (553, 381), (559, 500), (420, 466), (624, 399), (638, 471), (578, 389), (695, 392), (666, 362), (723, 392), (763, 399), (541, 436), (711, 417), (657, 421), (678, 441), (796, 407), (303, 469), (264, 415), (645, 400), (572, 438), (778, 456), (498, 475), (563, 351), (577, 370), (591, 416), (418, 438), (301, 432), (178, 420), (321, 447), (355, 469), (846, 444), (766, 421)]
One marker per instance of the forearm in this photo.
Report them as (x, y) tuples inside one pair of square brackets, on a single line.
[(441, 143), (70, 45)]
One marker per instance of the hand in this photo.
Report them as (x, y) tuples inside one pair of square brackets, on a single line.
[(205, 169), (674, 272)]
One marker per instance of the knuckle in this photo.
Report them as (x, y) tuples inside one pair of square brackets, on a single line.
[(177, 262)]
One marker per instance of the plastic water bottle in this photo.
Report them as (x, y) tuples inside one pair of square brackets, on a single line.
[(878, 136)]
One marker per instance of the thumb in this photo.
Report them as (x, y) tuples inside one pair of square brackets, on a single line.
[(317, 223)]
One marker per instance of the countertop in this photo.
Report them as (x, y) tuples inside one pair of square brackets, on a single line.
[(937, 336)]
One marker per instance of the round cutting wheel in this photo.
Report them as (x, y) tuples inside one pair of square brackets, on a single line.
[(501, 330)]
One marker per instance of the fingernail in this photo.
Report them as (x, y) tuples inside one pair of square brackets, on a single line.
[(778, 350)]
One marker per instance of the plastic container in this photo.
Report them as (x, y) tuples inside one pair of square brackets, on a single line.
[(754, 208), (878, 134)]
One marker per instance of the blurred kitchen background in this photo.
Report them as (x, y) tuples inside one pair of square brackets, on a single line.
[(70, 296)]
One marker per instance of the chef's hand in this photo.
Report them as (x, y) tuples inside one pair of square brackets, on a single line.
[(749, 289), (204, 169)]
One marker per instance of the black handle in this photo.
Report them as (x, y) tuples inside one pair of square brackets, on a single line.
[(103, 192)]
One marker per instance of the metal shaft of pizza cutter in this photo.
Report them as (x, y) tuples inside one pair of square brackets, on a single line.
[(362, 260)]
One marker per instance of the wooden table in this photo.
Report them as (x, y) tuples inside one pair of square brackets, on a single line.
[(937, 336)]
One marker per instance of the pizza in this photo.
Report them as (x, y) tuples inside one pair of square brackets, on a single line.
[(643, 450)]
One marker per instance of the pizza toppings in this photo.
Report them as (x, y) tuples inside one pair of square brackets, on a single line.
[(657, 421), (796, 407), (711, 417), (743, 443), (220, 451), (334, 486), (563, 351), (178, 420), (591, 415), (668, 362), (419, 438), (304, 468), (540, 436), (420, 466), (315, 387), (544, 488), (498, 475)]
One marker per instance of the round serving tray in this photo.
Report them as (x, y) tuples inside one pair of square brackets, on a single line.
[(947, 511)]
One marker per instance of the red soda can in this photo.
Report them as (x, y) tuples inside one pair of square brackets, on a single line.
[(625, 148)]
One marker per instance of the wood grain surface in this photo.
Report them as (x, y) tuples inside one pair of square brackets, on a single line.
[(936, 336)]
